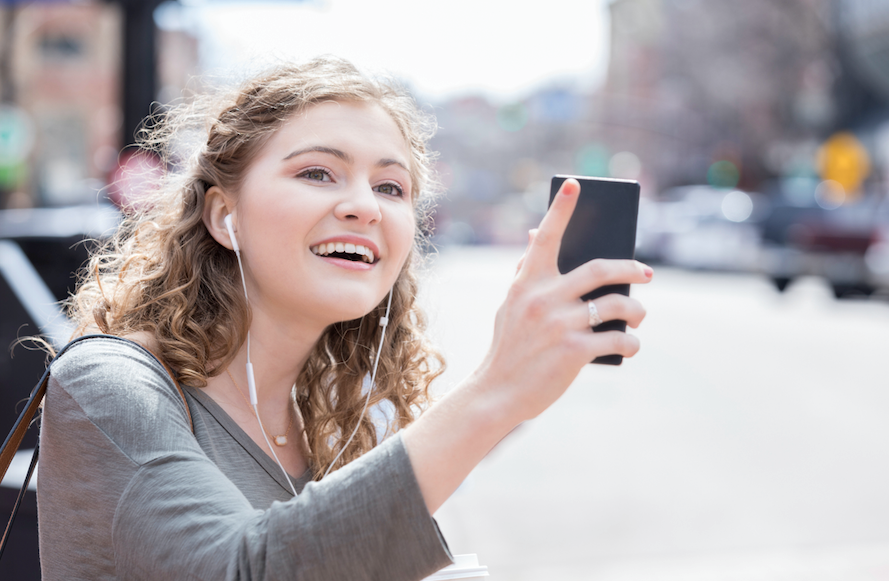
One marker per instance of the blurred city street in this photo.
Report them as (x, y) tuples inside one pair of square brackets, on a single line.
[(747, 440)]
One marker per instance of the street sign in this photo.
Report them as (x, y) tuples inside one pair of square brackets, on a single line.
[(844, 160)]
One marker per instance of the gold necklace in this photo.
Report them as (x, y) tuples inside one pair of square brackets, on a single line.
[(280, 440)]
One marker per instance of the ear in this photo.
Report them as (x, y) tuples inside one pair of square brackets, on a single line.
[(216, 207)]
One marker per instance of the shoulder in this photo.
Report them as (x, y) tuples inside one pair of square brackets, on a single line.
[(123, 390), (105, 357), (107, 374)]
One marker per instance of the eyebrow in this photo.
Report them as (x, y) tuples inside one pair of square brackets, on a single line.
[(385, 162)]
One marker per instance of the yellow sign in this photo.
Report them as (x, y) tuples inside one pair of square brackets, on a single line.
[(844, 160)]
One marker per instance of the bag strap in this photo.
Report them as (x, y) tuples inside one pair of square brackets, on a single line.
[(19, 498), (17, 434)]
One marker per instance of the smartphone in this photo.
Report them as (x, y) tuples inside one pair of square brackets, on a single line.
[(603, 226)]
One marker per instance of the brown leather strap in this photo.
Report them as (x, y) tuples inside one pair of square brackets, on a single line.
[(17, 434)]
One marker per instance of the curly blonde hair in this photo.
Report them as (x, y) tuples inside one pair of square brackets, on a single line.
[(162, 273)]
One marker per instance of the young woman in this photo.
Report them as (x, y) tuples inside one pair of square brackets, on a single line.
[(283, 242)]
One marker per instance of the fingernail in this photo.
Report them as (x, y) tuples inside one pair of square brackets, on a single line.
[(565, 191), (648, 272)]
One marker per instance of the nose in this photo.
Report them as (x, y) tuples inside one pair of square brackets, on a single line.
[(359, 204)]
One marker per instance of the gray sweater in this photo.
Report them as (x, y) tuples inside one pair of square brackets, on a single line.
[(127, 491)]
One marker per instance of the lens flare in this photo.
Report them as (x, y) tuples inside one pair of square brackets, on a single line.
[(513, 117), (592, 160), (737, 206), (723, 174), (625, 165), (830, 195)]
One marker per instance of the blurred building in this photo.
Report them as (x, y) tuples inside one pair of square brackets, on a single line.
[(759, 84), (862, 32), (710, 92), (60, 82), (693, 82), (497, 160)]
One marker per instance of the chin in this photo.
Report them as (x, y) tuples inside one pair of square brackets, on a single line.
[(350, 314)]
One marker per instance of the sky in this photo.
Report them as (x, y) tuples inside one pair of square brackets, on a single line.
[(500, 48)]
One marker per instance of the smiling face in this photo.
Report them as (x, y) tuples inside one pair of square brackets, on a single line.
[(324, 216)]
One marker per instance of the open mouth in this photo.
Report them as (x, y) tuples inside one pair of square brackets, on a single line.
[(346, 251)]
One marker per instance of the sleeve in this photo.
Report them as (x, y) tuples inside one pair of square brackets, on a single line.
[(178, 517)]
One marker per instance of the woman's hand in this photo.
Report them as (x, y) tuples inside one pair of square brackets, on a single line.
[(542, 336), (542, 339)]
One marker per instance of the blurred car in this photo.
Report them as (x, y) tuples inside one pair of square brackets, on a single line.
[(876, 258), (702, 227), (845, 243)]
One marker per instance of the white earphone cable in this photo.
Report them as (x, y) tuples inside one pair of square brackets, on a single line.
[(384, 322), (251, 381)]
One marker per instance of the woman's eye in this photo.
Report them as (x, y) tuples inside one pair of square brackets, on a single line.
[(315, 174), (390, 189)]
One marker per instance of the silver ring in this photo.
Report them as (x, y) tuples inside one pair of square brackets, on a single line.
[(595, 319)]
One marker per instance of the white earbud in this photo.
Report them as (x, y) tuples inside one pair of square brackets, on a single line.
[(231, 232)]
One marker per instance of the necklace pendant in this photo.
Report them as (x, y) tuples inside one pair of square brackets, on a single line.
[(280, 440)]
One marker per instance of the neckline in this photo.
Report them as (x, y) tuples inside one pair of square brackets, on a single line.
[(240, 436)]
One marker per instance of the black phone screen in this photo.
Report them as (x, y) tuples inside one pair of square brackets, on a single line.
[(603, 226)]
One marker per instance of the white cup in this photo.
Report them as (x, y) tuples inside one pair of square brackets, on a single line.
[(465, 568)]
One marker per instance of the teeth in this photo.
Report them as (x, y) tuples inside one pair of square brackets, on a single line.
[(366, 253)]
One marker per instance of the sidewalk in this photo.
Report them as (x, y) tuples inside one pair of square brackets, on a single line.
[(849, 563), (748, 441)]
